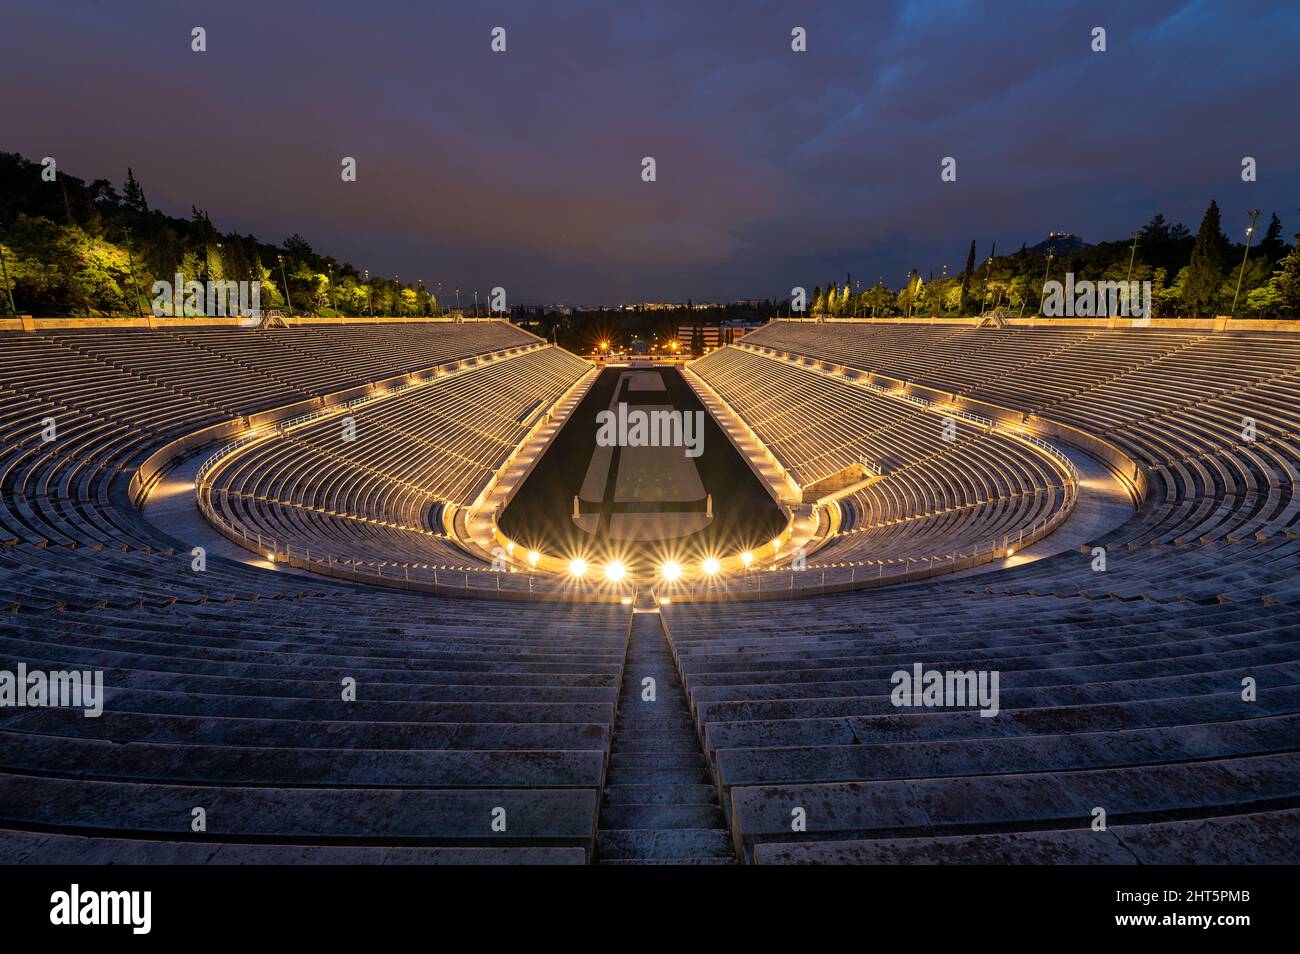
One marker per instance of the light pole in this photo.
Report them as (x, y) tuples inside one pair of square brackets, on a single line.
[(1132, 254), (458, 299), (4, 270), (1046, 271), (333, 299), (438, 303), (397, 294), (369, 310), (285, 278), (1254, 214), (475, 302)]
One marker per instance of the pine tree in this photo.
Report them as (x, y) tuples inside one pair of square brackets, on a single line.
[(1271, 246), (965, 279), (133, 196), (1205, 270)]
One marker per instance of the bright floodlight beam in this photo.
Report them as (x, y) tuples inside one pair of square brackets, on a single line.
[(747, 558), (533, 557), (615, 571), (577, 567), (671, 570), (711, 566)]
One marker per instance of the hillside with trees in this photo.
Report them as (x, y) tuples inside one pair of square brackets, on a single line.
[(76, 248), (1192, 276), (73, 248)]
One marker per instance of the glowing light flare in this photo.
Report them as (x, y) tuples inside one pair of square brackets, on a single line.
[(578, 567), (670, 570)]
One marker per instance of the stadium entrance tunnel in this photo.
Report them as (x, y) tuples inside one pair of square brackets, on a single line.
[(641, 476)]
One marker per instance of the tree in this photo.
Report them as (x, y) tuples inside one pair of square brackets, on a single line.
[(966, 274), (133, 199), (1271, 245), (1205, 270), (1266, 300), (1286, 281)]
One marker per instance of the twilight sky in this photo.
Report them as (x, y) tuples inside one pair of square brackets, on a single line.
[(775, 168)]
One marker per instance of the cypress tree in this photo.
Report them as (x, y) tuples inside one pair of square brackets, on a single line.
[(965, 279), (1205, 270)]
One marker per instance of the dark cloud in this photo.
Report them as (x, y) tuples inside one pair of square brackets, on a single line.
[(522, 169)]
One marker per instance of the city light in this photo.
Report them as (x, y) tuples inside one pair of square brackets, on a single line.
[(711, 566), (577, 567), (533, 557), (615, 571), (671, 570), (747, 558)]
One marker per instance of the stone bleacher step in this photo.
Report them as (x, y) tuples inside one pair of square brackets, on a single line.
[(41, 848), (667, 742), (632, 845), (657, 774), (658, 805), (661, 816), (669, 861), (641, 794)]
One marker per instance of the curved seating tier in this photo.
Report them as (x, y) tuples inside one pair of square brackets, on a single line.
[(1106, 700), (367, 484), (947, 484), (229, 686), (1154, 674), (1163, 688), (225, 683)]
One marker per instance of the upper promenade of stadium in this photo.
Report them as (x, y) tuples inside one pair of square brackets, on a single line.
[(310, 715)]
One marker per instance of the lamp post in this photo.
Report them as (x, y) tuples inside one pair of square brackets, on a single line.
[(333, 298), (1254, 214), (1128, 278), (438, 303), (397, 293), (1046, 271), (369, 309), (285, 278), (4, 270), (458, 299)]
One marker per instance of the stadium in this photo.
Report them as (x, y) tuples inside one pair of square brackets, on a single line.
[(445, 443), (367, 590)]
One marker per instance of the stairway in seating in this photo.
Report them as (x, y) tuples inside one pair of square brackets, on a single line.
[(659, 806)]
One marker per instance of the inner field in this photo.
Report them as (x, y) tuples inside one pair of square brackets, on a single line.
[(641, 505)]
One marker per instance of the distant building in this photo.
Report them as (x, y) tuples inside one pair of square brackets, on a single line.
[(709, 336)]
